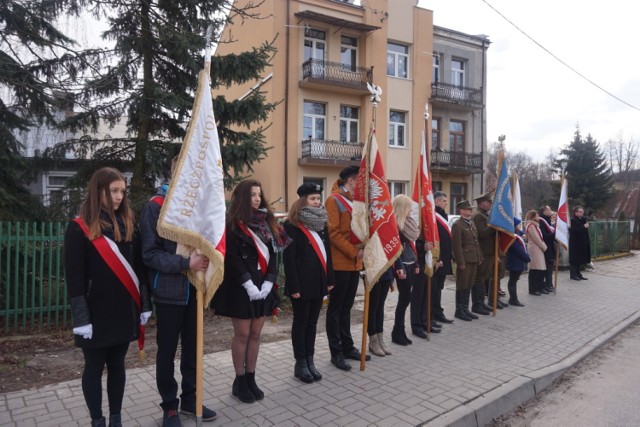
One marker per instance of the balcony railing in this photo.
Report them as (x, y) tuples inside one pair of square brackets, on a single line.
[(335, 73), (456, 160), (456, 94), (331, 150)]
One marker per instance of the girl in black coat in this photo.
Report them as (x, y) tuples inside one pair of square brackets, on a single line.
[(108, 308), (247, 293), (309, 275)]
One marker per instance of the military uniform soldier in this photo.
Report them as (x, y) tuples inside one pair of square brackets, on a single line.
[(467, 254), (486, 237)]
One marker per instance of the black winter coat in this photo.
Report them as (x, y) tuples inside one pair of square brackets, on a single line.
[(97, 296), (549, 238), (303, 269), (579, 242), (445, 245), (240, 265), (517, 256)]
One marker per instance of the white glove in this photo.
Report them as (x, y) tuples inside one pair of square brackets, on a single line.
[(252, 290), (144, 317), (266, 289), (86, 331)]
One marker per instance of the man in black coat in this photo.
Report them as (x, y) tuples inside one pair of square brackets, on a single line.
[(547, 227), (443, 264), (579, 243)]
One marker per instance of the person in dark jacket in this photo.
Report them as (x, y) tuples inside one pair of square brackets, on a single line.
[(108, 308), (547, 223), (443, 266), (516, 260), (309, 274), (247, 294), (406, 270), (176, 314), (579, 243)]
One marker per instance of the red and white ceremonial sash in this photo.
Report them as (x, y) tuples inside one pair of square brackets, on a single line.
[(519, 239), (549, 227), (111, 255), (443, 222), (348, 204), (261, 248), (317, 244), (537, 230)]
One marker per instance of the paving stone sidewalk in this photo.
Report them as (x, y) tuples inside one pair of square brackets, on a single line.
[(468, 374)]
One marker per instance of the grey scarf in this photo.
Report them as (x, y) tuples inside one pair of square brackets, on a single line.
[(410, 230), (313, 218)]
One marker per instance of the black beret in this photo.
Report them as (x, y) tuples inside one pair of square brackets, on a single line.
[(309, 188), (349, 171)]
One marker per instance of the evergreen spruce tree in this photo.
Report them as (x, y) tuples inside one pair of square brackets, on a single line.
[(37, 61), (589, 177), (150, 85)]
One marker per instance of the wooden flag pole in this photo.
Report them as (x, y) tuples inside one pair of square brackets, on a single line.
[(494, 297), (365, 324), (199, 351)]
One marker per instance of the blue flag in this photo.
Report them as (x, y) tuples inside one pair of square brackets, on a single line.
[(501, 214)]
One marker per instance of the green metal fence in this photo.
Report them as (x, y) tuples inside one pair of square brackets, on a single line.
[(609, 237), (33, 296)]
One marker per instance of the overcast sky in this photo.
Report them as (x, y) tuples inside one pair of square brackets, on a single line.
[(531, 97)]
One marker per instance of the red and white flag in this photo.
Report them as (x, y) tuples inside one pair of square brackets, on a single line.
[(423, 195), (562, 223), (373, 221), (193, 213)]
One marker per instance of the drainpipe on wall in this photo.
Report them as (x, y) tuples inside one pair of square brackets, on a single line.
[(286, 112), (484, 106)]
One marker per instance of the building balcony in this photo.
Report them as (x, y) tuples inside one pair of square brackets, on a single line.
[(325, 75), (456, 161), (322, 152), (461, 95)]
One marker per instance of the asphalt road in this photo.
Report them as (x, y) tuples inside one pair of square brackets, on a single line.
[(603, 390)]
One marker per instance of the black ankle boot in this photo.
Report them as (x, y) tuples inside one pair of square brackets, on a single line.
[(301, 371), (399, 337), (100, 422), (251, 382), (115, 420), (241, 389), (312, 369)]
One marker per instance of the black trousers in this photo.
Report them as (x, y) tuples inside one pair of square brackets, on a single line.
[(304, 326), (437, 285), (377, 298), (339, 311), (94, 361), (514, 276), (406, 290), (418, 311), (176, 322)]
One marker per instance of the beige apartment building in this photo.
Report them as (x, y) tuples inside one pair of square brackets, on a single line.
[(327, 52)]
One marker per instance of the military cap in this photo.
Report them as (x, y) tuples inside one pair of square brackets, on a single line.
[(486, 196), (464, 205)]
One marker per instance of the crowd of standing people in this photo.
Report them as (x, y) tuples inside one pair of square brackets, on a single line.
[(114, 267)]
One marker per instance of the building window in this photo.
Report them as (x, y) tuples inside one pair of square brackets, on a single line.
[(55, 191), (314, 120), (349, 124), (435, 76), (458, 192), (397, 60), (318, 181), (349, 52), (435, 133), (396, 129), (457, 72), (397, 187), (314, 44), (456, 143), (436, 186)]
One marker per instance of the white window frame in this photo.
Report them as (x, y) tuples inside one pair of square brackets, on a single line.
[(349, 123), (393, 58), (401, 186), (315, 118), (394, 130), (353, 52), (314, 44), (436, 69), (457, 73), (49, 188)]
